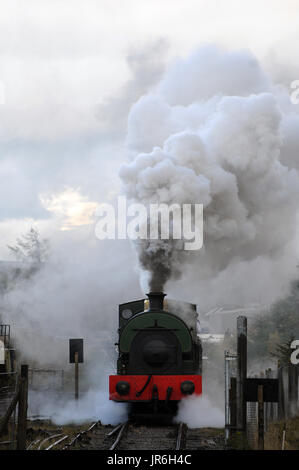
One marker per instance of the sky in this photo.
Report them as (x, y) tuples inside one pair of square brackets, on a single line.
[(71, 70)]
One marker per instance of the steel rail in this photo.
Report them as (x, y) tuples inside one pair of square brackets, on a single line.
[(80, 434), (48, 439), (57, 442), (179, 440), (114, 430), (35, 442), (119, 436)]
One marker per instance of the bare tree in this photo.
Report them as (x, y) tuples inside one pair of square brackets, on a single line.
[(283, 351), (31, 248)]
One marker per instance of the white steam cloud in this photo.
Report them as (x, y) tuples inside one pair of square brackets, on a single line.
[(216, 132), (94, 405), (199, 412), (74, 295)]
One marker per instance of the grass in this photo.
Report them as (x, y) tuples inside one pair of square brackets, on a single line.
[(237, 441), (274, 435), (40, 429)]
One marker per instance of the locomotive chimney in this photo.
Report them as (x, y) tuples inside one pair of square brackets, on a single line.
[(155, 300)]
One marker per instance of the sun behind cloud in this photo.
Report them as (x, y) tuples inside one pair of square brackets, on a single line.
[(70, 207)]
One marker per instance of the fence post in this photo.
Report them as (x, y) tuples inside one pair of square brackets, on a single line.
[(271, 405), (266, 407), (292, 388), (226, 395), (22, 408), (233, 404), (296, 384), (9, 411), (260, 417), (76, 376), (241, 371), (281, 401)]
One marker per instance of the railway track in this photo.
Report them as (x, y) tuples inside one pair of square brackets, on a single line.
[(123, 436), (49, 443), (80, 435), (131, 436)]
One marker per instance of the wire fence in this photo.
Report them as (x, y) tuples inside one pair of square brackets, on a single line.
[(46, 379), (286, 407)]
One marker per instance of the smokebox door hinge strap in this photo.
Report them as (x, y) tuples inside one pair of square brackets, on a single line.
[(144, 386)]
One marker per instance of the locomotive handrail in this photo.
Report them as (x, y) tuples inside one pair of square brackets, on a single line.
[(154, 328)]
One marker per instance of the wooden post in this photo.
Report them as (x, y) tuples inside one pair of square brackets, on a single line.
[(281, 401), (9, 412), (284, 431), (283, 437), (241, 371), (271, 405), (296, 383), (260, 418), (22, 409), (76, 376), (226, 395), (292, 388), (269, 410), (232, 399)]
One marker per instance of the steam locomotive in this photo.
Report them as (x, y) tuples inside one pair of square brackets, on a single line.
[(159, 355)]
